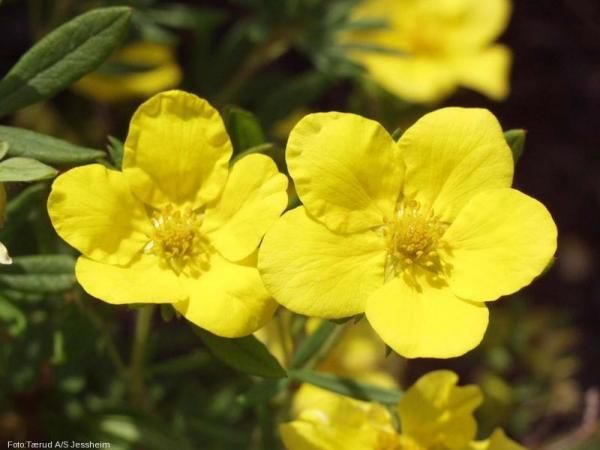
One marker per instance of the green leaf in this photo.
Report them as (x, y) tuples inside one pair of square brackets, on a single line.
[(40, 273), (115, 150), (63, 56), (348, 387), (25, 169), (46, 149), (516, 141), (244, 129), (246, 354), (3, 149), (313, 343)]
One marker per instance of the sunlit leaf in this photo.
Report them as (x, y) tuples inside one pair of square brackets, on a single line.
[(25, 169), (63, 56), (46, 149)]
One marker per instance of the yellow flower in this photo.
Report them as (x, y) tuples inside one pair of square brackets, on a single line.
[(334, 422), (4, 257), (140, 70), (430, 47), (418, 234), (434, 414), (176, 225)]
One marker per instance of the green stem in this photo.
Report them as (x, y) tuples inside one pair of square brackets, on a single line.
[(107, 339), (281, 331), (261, 55), (137, 388)]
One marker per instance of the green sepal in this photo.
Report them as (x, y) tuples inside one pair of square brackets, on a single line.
[(244, 129), (516, 141)]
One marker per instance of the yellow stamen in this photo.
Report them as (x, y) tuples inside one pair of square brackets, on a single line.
[(414, 238), (177, 237)]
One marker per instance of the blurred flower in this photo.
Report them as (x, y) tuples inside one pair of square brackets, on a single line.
[(137, 70), (176, 225), (434, 414), (4, 257), (418, 234), (428, 48)]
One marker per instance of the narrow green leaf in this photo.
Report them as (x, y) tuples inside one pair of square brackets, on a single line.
[(246, 354), (516, 141), (313, 343), (40, 273), (25, 169), (46, 149), (63, 56), (115, 150), (348, 387), (3, 148), (244, 129)]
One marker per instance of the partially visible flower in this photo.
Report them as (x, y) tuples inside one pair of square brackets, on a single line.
[(434, 414), (176, 225), (4, 257), (138, 70), (430, 47), (334, 422), (417, 234)]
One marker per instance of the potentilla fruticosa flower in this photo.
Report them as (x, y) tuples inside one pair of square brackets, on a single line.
[(177, 224), (138, 70), (434, 414), (418, 234), (425, 49)]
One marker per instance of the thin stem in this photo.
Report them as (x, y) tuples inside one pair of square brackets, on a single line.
[(261, 55), (281, 331), (137, 388), (98, 322)]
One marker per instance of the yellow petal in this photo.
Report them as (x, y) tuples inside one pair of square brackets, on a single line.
[(142, 281), (334, 422), (313, 271), (499, 243), (346, 170), (430, 322), (177, 150), (417, 79), (162, 73), (435, 411), (486, 71), (468, 24), (253, 198), (497, 441), (228, 300), (93, 209), (452, 154)]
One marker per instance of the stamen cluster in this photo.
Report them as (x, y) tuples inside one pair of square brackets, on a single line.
[(414, 238)]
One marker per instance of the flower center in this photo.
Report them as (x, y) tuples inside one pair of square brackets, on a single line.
[(414, 239), (176, 237)]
